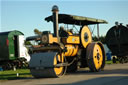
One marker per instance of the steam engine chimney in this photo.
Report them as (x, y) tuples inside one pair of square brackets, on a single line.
[(55, 20)]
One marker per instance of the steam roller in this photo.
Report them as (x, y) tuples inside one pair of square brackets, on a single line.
[(64, 51)]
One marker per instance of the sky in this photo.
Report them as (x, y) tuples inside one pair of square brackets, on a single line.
[(26, 15)]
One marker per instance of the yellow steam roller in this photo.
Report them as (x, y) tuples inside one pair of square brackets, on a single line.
[(65, 50)]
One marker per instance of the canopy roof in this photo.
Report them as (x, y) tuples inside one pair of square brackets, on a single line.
[(77, 20)]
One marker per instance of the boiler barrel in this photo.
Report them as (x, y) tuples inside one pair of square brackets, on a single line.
[(117, 40)]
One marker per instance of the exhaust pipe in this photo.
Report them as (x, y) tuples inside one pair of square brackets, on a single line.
[(55, 11)]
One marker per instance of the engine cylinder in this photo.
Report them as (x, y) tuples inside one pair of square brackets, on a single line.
[(71, 50)]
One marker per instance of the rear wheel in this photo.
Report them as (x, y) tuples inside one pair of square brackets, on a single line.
[(95, 56)]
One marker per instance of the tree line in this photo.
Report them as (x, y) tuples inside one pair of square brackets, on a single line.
[(101, 39)]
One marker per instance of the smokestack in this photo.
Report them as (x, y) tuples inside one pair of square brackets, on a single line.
[(55, 11), (116, 24)]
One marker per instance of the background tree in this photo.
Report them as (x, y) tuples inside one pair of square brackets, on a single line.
[(28, 43), (101, 38)]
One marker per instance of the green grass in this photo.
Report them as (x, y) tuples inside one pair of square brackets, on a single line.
[(108, 62), (111, 62), (10, 74)]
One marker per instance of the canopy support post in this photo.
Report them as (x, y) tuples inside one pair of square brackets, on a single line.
[(98, 31)]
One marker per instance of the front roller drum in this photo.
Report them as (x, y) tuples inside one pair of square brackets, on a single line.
[(95, 56), (43, 64)]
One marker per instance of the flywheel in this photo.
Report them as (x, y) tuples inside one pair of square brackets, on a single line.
[(95, 56), (85, 36), (47, 64)]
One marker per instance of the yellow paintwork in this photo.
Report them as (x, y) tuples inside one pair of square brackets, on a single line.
[(71, 50), (98, 63), (60, 58), (52, 39), (75, 50), (71, 40), (84, 30), (49, 39), (69, 33)]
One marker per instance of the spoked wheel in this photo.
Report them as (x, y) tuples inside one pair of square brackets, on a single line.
[(44, 65), (95, 56), (59, 71)]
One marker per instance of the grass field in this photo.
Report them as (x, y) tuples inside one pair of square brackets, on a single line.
[(10, 74)]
